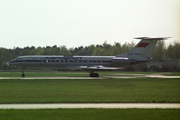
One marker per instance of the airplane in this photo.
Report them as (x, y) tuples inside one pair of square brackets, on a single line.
[(139, 54)]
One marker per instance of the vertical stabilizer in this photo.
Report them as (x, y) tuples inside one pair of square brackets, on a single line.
[(144, 48)]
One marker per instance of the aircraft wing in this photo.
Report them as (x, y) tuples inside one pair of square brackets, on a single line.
[(94, 68)]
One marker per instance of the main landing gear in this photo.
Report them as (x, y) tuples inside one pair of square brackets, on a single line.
[(93, 75)]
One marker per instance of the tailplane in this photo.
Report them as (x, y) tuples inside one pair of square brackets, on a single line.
[(144, 48)]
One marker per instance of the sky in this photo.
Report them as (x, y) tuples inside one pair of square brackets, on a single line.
[(75, 23)]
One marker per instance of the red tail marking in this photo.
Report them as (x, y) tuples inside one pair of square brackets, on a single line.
[(143, 45)]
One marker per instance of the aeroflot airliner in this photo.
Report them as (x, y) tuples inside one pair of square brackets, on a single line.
[(140, 53)]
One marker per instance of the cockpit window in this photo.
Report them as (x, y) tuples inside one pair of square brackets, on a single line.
[(18, 58)]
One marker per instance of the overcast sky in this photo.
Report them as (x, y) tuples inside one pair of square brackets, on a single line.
[(75, 23)]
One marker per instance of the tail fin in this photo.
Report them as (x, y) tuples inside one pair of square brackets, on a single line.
[(144, 48)]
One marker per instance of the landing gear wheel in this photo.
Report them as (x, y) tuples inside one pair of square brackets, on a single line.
[(91, 75), (23, 75), (94, 75)]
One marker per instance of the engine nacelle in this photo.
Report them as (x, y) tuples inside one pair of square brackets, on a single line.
[(122, 61)]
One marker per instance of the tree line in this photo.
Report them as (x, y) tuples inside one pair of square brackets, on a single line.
[(161, 51)]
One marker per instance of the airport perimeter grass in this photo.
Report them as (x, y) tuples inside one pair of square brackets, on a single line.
[(136, 90), (172, 74), (45, 74), (77, 73), (91, 114)]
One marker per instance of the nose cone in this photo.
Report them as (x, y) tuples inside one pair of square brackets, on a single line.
[(7, 63)]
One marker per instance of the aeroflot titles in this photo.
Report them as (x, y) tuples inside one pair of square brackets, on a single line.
[(64, 58)]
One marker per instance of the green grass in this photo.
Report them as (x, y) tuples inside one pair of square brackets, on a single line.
[(172, 74), (91, 114), (70, 73), (139, 90), (44, 74)]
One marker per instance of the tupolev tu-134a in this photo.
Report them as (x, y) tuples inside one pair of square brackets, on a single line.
[(139, 54)]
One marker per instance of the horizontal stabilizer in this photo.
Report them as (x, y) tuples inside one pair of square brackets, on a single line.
[(152, 38)]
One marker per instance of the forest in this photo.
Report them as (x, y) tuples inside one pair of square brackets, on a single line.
[(161, 51)]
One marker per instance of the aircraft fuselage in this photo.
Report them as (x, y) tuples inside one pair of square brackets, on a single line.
[(70, 61)]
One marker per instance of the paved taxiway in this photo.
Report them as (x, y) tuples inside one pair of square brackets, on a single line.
[(92, 105)]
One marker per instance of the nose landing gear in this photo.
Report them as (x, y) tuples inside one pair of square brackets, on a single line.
[(23, 75)]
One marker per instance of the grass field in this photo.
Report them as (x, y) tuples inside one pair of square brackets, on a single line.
[(45, 74), (172, 74), (65, 74), (80, 73), (91, 114), (136, 90)]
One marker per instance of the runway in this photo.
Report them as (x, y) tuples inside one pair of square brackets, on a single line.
[(92, 105)]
